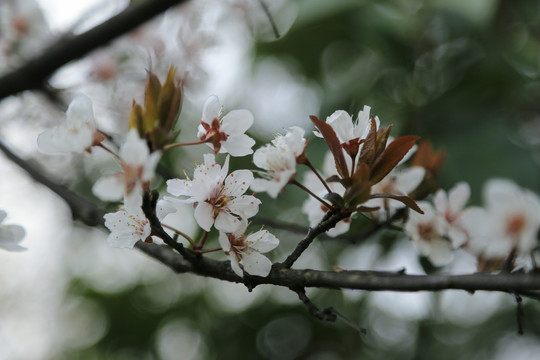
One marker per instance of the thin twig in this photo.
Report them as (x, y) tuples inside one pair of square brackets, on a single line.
[(328, 222), (294, 182), (270, 18)]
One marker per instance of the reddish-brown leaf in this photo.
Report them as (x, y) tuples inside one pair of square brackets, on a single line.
[(333, 143), (367, 155), (407, 201), (393, 154)]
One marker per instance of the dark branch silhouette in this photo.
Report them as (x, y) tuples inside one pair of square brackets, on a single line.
[(35, 73)]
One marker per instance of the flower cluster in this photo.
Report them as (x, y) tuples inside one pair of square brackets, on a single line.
[(363, 172), (500, 235)]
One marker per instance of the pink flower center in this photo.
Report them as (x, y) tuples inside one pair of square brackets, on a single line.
[(515, 225)]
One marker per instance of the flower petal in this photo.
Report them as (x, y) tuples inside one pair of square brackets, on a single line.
[(262, 241), (204, 215), (236, 122), (226, 222), (237, 183), (246, 206), (211, 109), (109, 188), (256, 264)]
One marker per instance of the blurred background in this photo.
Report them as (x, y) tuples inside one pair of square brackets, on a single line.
[(463, 74)]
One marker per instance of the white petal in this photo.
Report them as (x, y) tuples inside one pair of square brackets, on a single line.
[(441, 252), (224, 242), (236, 122), (109, 188), (246, 206), (237, 183), (179, 187), (262, 241), (409, 179), (342, 124), (204, 215), (80, 112), (211, 109), (458, 196), (441, 201), (273, 188), (134, 152), (235, 266), (150, 166), (238, 145), (226, 222), (256, 264), (164, 208)]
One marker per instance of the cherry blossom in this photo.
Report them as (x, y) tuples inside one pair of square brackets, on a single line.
[(398, 182), (138, 166), (220, 201), (279, 161), (509, 222), (246, 250), (226, 133), (77, 134), (451, 206), (312, 207), (428, 234), (346, 128), (10, 235)]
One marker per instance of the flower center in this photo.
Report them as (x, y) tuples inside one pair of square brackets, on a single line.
[(515, 225), (427, 232)]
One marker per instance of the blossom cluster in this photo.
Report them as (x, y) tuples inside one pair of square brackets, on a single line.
[(364, 171)]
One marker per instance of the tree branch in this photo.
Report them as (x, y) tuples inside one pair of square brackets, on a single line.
[(36, 72), (521, 283)]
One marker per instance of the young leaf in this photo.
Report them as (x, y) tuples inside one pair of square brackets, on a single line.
[(367, 155), (407, 201), (391, 157), (333, 143)]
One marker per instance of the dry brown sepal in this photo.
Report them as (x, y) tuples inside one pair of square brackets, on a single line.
[(162, 105)]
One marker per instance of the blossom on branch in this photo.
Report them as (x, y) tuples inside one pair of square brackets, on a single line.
[(279, 160), (77, 134), (508, 225), (226, 133), (10, 235), (428, 233), (138, 166), (313, 208), (246, 250), (220, 198)]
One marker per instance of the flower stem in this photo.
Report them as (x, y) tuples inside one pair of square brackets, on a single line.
[(170, 146), (202, 240), (207, 251), (310, 165), (312, 194), (108, 150), (184, 235)]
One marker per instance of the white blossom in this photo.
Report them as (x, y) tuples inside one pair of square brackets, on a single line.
[(451, 207), (220, 201), (76, 135), (312, 207), (397, 182), (428, 233), (510, 220), (246, 250), (346, 128), (226, 134), (279, 161), (138, 166), (10, 235)]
